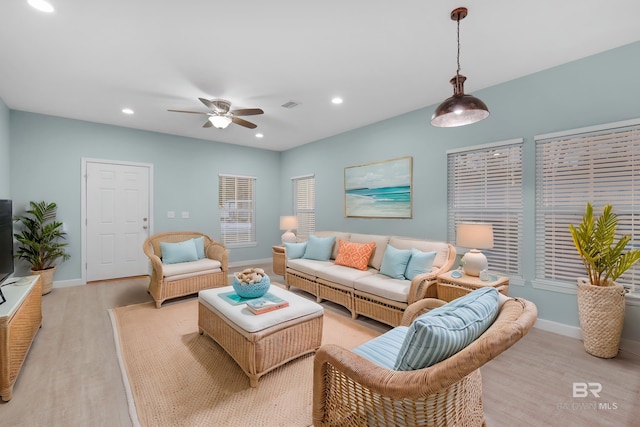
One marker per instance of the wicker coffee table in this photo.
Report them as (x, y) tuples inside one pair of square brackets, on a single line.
[(261, 343)]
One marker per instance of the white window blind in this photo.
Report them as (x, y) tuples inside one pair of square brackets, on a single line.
[(485, 184), (304, 205), (237, 210), (598, 165)]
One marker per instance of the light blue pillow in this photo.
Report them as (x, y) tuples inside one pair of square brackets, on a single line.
[(419, 263), (383, 350), (444, 331), (199, 242), (295, 250), (319, 248), (178, 252), (394, 262)]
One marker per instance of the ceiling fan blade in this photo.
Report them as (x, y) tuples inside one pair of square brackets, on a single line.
[(184, 111), (247, 112), (243, 122), (208, 104), (207, 124)]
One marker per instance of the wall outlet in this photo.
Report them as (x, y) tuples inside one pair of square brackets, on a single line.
[(185, 214), (171, 214)]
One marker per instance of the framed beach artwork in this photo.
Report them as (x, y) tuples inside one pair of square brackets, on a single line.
[(379, 190)]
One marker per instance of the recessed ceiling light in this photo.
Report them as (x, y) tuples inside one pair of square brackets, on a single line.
[(127, 111), (259, 135), (41, 5), (337, 100)]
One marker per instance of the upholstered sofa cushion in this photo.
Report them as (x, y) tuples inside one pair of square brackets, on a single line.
[(394, 262), (383, 350), (178, 252), (319, 248), (419, 263), (384, 286), (308, 266), (446, 330), (345, 276), (198, 267), (354, 255), (381, 244)]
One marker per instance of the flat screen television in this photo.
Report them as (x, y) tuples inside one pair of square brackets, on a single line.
[(6, 240)]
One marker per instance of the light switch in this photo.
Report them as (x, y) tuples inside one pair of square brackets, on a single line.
[(185, 214), (171, 214)]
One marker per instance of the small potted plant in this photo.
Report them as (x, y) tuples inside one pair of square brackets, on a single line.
[(601, 300), (39, 241)]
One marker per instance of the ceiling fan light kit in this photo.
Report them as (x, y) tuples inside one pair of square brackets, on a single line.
[(221, 115), (460, 109)]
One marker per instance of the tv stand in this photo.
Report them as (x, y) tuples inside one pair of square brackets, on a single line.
[(20, 319)]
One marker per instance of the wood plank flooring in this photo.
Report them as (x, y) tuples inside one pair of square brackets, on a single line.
[(71, 376)]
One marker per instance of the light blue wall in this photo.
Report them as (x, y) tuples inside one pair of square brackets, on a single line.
[(594, 90), (5, 150), (47, 152)]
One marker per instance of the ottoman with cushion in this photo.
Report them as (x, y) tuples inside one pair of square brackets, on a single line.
[(263, 342)]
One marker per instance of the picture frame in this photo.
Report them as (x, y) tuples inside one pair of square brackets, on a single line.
[(380, 189)]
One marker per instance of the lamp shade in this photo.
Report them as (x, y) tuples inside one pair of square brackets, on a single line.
[(460, 109), (288, 223), (220, 122), (476, 235)]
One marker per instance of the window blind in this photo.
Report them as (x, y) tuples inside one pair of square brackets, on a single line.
[(599, 166), (237, 210), (485, 184), (304, 205)]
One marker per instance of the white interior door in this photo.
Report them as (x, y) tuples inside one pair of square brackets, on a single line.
[(117, 220)]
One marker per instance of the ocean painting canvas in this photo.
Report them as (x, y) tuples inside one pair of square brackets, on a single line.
[(379, 190)]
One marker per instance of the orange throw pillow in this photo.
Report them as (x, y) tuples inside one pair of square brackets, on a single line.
[(354, 255)]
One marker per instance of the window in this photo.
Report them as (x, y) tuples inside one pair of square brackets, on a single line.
[(304, 205), (485, 185), (601, 165), (237, 210)]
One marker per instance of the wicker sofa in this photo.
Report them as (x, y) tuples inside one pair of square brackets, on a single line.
[(185, 278), (349, 390), (366, 293)]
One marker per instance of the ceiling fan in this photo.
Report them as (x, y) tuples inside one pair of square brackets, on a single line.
[(221, 115)]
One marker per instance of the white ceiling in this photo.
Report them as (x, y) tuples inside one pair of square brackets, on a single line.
[(90, 59)]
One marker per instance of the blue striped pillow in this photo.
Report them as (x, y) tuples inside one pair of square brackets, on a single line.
[(446, 330), (383, 350)]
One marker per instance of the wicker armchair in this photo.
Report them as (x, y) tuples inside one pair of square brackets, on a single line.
[(349, 390), (163, 288)]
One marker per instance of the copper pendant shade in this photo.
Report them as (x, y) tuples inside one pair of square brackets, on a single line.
[(460, 109)]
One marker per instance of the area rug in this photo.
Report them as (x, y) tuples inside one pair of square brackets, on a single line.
[(176, 377)]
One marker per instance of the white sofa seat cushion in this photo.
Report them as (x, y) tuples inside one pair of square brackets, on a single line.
[(384, 286), (309, 266), (345, 276), (198, 267)]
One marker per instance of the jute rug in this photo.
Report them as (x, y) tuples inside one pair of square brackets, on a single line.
[(176, 377)]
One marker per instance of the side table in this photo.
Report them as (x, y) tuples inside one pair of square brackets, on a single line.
[(20, 319), (450, 288), (279, 261)]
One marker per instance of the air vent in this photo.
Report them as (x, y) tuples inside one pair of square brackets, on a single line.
[(290, 104)]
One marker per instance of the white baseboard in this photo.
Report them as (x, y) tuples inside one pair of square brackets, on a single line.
[(575, 332), (250, 262), (67, 283)]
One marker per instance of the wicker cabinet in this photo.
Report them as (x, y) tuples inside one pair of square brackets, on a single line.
[(279, 262), (450, 288), (20, 319)]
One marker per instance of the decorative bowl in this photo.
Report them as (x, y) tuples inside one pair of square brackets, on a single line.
[(251, 290)]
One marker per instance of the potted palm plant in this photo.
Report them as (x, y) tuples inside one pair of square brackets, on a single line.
[(601, 300), (39, 241)]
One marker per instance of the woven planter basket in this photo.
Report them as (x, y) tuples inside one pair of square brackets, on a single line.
[(46, 278), (601, 313)]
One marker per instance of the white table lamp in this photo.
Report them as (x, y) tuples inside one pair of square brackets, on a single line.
[(476, 235), (288, 223)]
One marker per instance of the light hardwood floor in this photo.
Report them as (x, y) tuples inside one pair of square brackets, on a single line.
[(71, 376)]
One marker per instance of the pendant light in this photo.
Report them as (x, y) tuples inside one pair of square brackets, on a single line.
[(460, 109)]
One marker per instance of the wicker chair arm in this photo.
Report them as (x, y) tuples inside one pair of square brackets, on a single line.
[(156, 262), (218, 252), (420, 307), (280, 249)]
